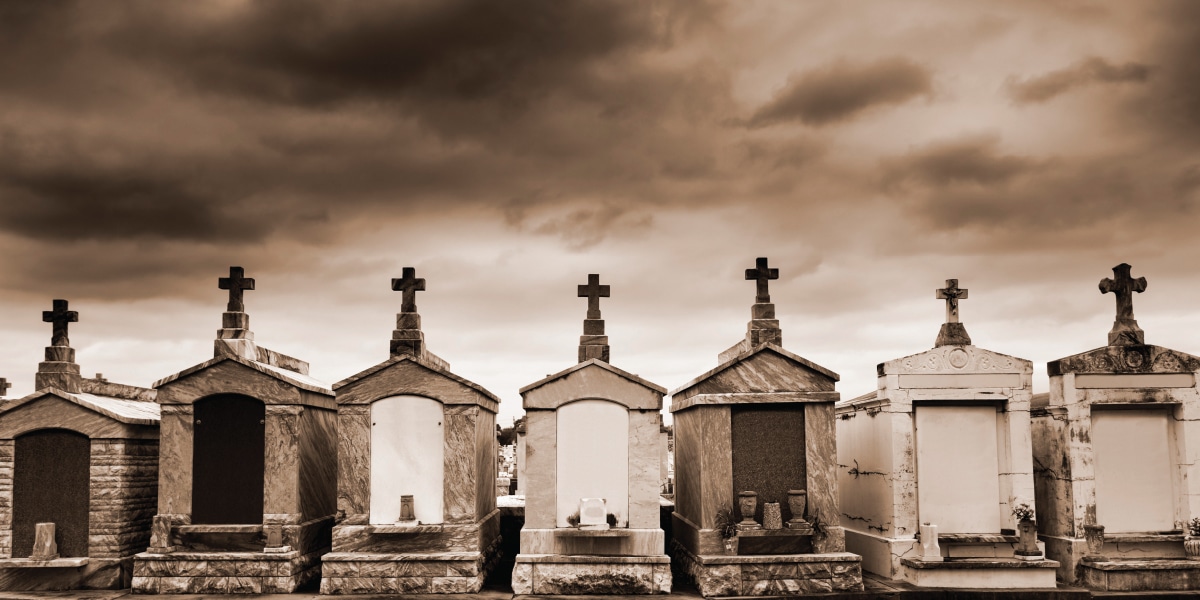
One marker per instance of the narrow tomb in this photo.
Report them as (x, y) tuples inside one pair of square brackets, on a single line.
[(247, 485), (78, 472), (591, 476), (756, 495), (935, 467), (1116, 446), (417, 467)]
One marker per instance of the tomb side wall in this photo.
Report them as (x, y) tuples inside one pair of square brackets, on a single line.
[(124, 494), (318, 463), (7, 448), (354, 463), (486, 449)]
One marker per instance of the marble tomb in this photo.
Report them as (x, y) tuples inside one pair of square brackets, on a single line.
[(417, 467), (247, 485), (754, 448)]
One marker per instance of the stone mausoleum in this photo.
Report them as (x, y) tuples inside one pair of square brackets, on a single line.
[(1116, 447), (78, 475), (247, 471), (592, 460), (416, 472), (934, 461), (755, 445)]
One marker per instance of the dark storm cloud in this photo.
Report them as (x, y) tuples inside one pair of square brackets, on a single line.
[(1083, 73), (972, 160), (1171, 98), (842, 90)]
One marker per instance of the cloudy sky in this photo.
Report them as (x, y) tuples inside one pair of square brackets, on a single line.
[(508, 149)]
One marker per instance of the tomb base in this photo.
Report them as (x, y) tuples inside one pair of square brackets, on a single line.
[(1155, 550), (1138, 574), (411, 573), (560, 574), (225, 572), (25, 575), (980, 573), (771, 575)]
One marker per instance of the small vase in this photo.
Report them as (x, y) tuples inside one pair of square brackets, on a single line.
[(1191, 547), (747, 503), (797, 504), (1094, 536), (1027, 547)]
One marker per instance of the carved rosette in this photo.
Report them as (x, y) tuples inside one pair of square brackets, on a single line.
[(956, 359)]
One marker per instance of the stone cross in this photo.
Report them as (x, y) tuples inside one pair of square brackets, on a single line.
[(60, 317), (952, 294), (4, 386), (593, 291), (410, 285), (1123, 285), (762, 274), (236, 283)]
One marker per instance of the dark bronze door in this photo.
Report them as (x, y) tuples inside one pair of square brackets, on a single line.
[(227, 460), (51, 484)]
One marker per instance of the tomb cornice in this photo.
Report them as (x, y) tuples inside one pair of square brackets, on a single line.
[(1136, 358), (593, 380), (407, 374), (753, 398), (955, 359), (767, 381)]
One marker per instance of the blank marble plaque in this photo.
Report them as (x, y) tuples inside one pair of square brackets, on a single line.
[(51, 485), (227, 460), (768, 454)]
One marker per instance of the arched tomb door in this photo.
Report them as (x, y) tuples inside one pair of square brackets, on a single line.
[(51, 484), (408, 443), (593, 458), (227, 460)]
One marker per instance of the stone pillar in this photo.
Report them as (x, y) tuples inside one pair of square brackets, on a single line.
[(176, 432), (354, 463), (541, 454), (644, 469), (821, 455), (460, 477), (281, 467), (6, 497), (124, 476)]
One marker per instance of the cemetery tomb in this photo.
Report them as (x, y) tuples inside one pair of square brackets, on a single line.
[(246, 493), (417, 464), (78, 466), (591, 476), (1115, 444), (935, 461), (755, 448)]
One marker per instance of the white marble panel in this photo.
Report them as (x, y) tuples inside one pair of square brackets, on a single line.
[(407, 457), (593, 457)]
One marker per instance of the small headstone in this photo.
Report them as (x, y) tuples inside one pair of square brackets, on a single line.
[(772, 516), (1125, 331), (930, 550), (274, 533), (953, 333), (44, 546), (160, 535)]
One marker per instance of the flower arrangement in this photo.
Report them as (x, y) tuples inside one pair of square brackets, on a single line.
[(726, 524), (1023, 512), (1194, 526)]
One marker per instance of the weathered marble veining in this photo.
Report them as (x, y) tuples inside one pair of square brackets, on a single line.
[(354, 461), (318, 463), (459, 486), (281, 467)]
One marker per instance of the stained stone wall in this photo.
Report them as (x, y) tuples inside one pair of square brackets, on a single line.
[(123, 496)]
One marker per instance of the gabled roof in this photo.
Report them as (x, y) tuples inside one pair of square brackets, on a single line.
[(598, 363), (430, 365), (751, 353), (304, 382), (132, 412)]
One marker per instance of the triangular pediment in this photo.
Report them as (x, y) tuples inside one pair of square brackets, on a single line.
[(764, 369), (1141, 358), (410, 375), (955, 359), (94, 416), (593, 379)]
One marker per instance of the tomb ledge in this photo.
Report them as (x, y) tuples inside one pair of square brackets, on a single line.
[(29, 563)]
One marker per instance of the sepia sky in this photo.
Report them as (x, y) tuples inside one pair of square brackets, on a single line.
[(871, 150)]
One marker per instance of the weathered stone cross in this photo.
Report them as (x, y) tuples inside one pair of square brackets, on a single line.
[(761, 274), (593, 291), (952, 294), (1123, 285), (410, 285), (60, 316), (236, 283), (4, 385)]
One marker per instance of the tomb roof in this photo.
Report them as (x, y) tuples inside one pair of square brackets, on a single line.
[(597, 363), (593, 379), (125, 410), (763, 348), (290, 377), (1132, 358), (438, 367), (955, 359)]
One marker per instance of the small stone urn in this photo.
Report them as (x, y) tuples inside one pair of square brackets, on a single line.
[(930, 550), (798, 504), (748, 503), (1094, 536), (1191, 547), (1027, 548)]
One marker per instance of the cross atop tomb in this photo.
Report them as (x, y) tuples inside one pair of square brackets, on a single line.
[(593, 291), (4, 386), (409, 284), (762, 274), (236, 283), (1125, 329), (952, 294), (60, 317)]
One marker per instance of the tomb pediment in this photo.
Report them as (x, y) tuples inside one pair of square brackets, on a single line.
[(228, 374), (1139, 358), (94, 416), (593, 379), (765, 369), (949, 360), (407, 374)]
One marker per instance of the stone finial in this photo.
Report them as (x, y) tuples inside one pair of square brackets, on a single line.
[(953, 333), (235, 337), (593, 343), (1125, 331), (59, 369), (407, 337), (4, 387), (236, 283)]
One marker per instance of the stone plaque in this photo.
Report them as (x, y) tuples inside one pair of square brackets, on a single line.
[(51, 485), (227, 460), (768, 454)]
